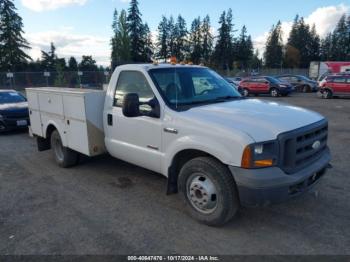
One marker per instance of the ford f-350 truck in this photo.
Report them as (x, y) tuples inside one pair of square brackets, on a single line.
[(220, 150)]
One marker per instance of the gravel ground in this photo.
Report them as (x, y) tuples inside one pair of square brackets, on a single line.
[(106, 206)]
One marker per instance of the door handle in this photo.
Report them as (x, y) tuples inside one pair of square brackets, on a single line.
[(110, 119)]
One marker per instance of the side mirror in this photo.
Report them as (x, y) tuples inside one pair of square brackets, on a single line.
[(131, 105)]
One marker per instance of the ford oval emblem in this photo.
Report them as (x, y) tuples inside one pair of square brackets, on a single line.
[(316, 145)]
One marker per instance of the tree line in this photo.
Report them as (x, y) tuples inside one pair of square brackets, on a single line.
[(132, 42), (305, 45), (13, 46)]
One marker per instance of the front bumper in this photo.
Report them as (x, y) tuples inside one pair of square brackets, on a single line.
[(13, 124), (261, 187)]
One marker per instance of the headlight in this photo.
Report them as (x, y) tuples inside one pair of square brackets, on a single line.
[(260, 155)]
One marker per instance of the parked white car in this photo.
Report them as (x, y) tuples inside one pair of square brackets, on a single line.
[(187, 123)]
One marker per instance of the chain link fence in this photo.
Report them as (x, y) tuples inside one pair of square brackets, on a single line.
[(265, 71), (85, 79), (96, 79)]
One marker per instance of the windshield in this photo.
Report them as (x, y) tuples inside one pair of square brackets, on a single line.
[(304, 78), (11, 97), (189, 86), (274, 80)]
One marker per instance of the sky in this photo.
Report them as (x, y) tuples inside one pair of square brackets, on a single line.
[(83, 27)]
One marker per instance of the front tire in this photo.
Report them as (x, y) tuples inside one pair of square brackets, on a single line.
[(274, 92), (209, 191), (245, 92), (64, 156), (306, 89)]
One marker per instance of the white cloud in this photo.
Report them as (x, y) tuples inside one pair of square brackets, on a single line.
[(70, 44), (324, 18), (43, 5)]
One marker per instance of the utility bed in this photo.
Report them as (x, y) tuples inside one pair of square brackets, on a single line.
[(76, 113)]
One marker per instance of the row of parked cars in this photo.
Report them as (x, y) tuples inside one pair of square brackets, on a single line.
[(14, 109), (333, 85)]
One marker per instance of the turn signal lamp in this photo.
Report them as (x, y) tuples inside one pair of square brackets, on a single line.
[(247, 158), (263, 163)]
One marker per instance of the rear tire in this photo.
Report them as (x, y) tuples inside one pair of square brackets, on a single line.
[(306, 89), (209, 191), (274, 92), (245, 92), (64, 156), (327, 94)]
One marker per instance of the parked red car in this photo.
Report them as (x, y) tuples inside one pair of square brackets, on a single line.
[(265, 85), (337, 85)]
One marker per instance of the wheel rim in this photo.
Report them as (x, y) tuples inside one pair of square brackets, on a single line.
[(325, 94), (202, 193), (58, 148), (245, 92), (274, 92)]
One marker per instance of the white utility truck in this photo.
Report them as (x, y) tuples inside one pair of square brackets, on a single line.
[(187, 123)]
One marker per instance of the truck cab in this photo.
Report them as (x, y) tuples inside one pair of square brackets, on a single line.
[(217, 148)]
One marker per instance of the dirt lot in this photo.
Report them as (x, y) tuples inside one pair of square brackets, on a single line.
[(106, 206)]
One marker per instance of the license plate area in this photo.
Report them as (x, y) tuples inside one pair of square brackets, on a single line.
[(22, 123)]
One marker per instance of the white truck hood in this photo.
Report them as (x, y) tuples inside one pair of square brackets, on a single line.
[(261, 120)]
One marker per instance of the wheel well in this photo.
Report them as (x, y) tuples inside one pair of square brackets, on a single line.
[(49, 131), (178, 162)]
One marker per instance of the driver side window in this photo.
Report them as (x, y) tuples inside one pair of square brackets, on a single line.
[(132, 82)]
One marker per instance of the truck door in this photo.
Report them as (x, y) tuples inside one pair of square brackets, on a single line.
[(135, 140)]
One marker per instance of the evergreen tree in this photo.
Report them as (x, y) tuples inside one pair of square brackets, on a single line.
[(87, 64), (314, 45), (135, 26), (340, 40), (48, 59), (303, 45), (326, 48), (274, 47), (60, 79), (180, 49), (196, 42), (147, 51), (292, 53), (72, 64), (120, 42), (162, 39), (171, 36), (244, 49), (223, 52), (12, 43), (255, 62), (207, 45)]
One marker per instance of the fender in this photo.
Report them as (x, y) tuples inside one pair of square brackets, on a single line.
[(222, 152)]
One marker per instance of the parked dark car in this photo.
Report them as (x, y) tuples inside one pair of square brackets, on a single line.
[(234, 84), (265, 85), (300, 83), (235, 80), (13, 111)]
